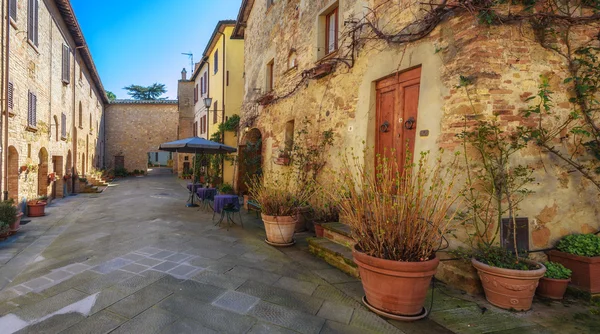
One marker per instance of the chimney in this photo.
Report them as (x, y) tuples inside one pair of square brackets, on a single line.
[(184, 74)]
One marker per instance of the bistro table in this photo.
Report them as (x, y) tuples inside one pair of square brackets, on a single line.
[(192, 193), (204, 193), (222, 200), (196, 186)]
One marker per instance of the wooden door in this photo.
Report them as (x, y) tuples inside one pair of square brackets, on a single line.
[(397, 105)]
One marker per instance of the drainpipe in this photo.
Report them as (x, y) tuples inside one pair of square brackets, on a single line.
[(223, 105), (4, 136), (75, 153)]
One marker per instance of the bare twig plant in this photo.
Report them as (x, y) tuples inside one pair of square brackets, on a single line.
[(278, 195), (398, 214)]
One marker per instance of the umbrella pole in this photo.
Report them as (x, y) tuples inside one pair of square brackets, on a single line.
[(192, 204)]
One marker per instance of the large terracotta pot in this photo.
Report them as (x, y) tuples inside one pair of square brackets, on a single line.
[(36, 209), (399, 288), (16, 225), (552, 288), (509, 288), (279, 229), (586, 270)]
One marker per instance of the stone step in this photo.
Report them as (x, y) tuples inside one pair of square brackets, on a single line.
[(339, 233), (333, 253)]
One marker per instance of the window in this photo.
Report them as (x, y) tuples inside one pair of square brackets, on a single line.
[(196, 93), (63, 126), (270, 3), (215, 112), (91, 123), (202, 85), (270, 75), (195, 131), (13, 9), (66, 64), (289, 136), (216, 62), (32, 110), (331, 31), (205, 90), (32, 21), (80, 115), (156, 156), (292, 59), (11, 102)]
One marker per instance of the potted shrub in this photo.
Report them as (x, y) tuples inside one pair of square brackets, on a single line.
[(226, 188), (581, 254), (555, 281), (279, 199), (8, 217), (398, 220), (36, 207)]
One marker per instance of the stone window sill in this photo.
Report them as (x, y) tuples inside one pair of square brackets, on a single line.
[(13, 23), (292, 69), (35, 48), (31, 128), (63, 138), (330, 55)]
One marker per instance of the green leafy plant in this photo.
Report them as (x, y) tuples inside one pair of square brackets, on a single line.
[(231, 124), (556, 271), (8, 214), (225, 188), (580, 244), (121, 171), (83, 179), (501, 258)]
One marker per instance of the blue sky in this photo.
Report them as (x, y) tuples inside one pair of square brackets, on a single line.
[(141, 41)]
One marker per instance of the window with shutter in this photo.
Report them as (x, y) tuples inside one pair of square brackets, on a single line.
[(196, 94), (202, 85), (63, 126), (215, 112), (32, 21), (66, 64), (216, 61), (13, 10), (32, 110), (205, 82), (11, 103)]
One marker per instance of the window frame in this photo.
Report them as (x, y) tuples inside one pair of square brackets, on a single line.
[(13, 8), (216, 62), (33, 7), (63, 126), (328, 16), (270, 76), (31, 110), (66, 65), (11, 97)]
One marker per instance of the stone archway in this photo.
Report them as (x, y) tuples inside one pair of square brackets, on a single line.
[(250, 158), (13, 173), (69, 171), (42, 174)]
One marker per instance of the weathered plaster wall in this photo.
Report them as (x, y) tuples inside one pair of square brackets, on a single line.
[(134, 129)]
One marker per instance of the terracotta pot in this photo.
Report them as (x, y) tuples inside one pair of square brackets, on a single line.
[(395, 287), (586, 270), (36, 209), (14, 227), (279, 229), (300, 219), (509, 288), (552, 288), (318, 230)]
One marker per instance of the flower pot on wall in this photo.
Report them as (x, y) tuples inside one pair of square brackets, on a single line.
[(395, 287), (586, 270), (509, 288), (36, 209), (280, 229), (552, 288)]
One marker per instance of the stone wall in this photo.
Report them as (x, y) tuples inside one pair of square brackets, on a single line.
[(134, 128)]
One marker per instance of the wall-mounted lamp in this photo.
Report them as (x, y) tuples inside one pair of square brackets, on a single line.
[(208, 102), (247, 128)]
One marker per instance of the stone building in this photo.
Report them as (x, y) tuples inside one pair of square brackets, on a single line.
[(54, 98), (305, 61), (135, 128)]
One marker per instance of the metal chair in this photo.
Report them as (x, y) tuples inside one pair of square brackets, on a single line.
[(229, 212)]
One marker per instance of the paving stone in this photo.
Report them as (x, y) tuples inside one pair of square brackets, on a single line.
[(149, 262), (134, 257), (21, 289), (39, 309), (104, 281), (101, 322), (70, 283), (136, 282), (220, 280), (367, 320), (107, 297), (138, 302), (162, 255), (187, 326), (38, 284), (266, 328), (149, 251), (295, 285), (76, 268), (352, 289), (165, 266), (149, 322), (58, 275), (332, 327), (336, 312), (111, 265), (236, 301), (334, 295), (135, 268), (254, 274), (215, 318), (334, 275), (184, 271), (255, 256), (471, 320), (206, 253), (178, 257), (54, 324), (293, 300), (287, 318)]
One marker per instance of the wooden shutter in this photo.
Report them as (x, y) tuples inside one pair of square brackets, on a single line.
[(63, 125), (13, 9), (66, 64), (216, 61), (30, 18), (34, 109), (202, 85), (11, 103), (196, 94), (205, 82), (36, 22)]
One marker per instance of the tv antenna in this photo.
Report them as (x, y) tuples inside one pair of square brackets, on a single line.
[(191, 56)]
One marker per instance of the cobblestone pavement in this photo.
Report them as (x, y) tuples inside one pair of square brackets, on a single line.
[(134, 259)]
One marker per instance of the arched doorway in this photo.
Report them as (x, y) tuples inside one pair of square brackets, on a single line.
[(43, 173), (68, 167), (13, 173), (250, 159)]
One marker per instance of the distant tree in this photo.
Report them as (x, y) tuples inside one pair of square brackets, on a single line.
[(152, 92), (111, 95)]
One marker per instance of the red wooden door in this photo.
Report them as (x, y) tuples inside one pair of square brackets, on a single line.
[(397, 105)]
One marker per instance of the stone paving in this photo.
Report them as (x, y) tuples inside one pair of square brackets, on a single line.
[(134, 259)]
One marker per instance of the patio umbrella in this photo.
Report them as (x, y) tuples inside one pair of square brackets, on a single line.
[(195, 145)]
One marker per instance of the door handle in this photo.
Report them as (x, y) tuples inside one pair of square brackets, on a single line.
[(410, 123), (385, 127)]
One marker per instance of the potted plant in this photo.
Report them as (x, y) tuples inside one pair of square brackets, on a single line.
[(279, 199), (36, 207), (495, 188), (8, 218), (555, 281), (226, 188), (324, 209), (398, 217), (283, 158), (581, 254)]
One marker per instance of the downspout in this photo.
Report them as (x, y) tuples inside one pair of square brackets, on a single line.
[(5, 84), (74, 119), (223, 70)]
